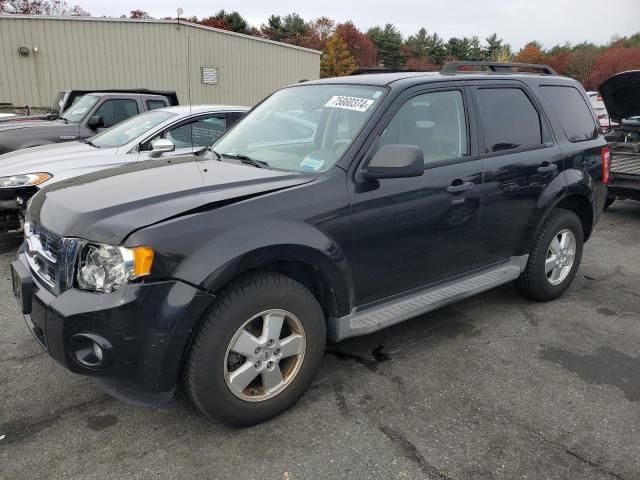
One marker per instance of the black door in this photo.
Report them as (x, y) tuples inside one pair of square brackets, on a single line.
[(520, 160), (412, 232)]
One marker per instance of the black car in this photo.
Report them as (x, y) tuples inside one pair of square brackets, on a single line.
[(334, 209), (621, 96)]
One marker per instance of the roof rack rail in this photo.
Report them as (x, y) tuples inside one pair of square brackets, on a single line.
[(367, 70), (451, 68)]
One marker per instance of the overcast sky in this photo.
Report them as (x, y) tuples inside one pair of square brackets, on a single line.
[(516, 21)]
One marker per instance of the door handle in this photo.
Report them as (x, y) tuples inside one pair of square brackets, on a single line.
[(456, 187), (547, 167)]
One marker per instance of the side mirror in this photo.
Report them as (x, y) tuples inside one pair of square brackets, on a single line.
[(160, 146), (95, 122), (395, 161)]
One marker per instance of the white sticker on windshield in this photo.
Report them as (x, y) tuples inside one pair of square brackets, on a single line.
[(312, 164), (350, 103), (78, 111)]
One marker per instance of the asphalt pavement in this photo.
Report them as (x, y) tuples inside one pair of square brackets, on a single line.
[(493, 387)]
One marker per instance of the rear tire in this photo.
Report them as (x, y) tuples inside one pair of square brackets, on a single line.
[(279, 367), (552, 266)]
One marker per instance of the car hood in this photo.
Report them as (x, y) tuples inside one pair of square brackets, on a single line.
[(621, 94), (108, 205), (50, 158), (36, 124)]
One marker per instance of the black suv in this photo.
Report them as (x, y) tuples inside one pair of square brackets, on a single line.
[(335, 208)]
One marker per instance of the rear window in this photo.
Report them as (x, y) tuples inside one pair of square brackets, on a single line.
[(573, 112), (509, 119)]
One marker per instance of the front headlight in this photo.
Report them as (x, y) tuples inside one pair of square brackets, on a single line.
[(104, 268), (24, 180)]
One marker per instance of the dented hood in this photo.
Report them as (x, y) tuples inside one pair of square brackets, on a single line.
[(108, 205), (621, 94)]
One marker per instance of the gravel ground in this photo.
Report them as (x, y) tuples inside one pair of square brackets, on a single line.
[(493, 387)]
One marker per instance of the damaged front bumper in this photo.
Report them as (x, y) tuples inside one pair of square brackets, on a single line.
[(13, 203)]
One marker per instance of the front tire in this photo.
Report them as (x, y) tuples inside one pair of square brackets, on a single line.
[(256, 351), (554, 258)]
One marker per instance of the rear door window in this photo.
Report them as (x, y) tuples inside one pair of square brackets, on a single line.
[(509, 119), (153, 104), (573, 112)]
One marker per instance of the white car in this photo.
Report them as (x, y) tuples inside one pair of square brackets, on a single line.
[(158, 133)]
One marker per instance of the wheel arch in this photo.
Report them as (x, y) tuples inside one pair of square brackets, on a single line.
[(329, 282), (575, 202)]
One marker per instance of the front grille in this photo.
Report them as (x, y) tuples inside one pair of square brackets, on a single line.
[(43, 251), (50, 241)]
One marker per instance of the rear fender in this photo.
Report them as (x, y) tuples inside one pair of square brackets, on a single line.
[(551, 196), (575, 184)]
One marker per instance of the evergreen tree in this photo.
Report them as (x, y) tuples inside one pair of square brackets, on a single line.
[(336, 59)]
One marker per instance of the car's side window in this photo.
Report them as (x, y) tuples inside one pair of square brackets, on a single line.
[(153, 104), (573, 112), (197, 133), (435, 122), (509, 119), (115, 111)]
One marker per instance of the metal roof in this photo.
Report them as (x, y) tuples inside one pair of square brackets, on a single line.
[(161, 21)]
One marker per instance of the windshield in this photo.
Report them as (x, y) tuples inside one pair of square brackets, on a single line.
[(130, 129), (79, 110), (304, 128)]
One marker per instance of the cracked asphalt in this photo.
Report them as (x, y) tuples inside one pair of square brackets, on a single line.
[(493, 387)]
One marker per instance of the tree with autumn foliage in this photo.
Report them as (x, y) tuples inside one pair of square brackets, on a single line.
[(336, 59), (559, 61), (360, 46), (583, 59), (613, 60), (531, 53), (318, 32)]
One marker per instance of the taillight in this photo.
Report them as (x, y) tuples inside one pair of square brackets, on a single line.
[(606, 164)]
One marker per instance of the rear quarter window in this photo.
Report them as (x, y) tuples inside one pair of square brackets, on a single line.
[(573, 112)]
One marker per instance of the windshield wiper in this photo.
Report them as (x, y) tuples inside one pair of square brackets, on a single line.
[(248, 160)]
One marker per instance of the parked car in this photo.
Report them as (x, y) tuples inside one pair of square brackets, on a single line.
[(91, 114), (67, 98), (160, 133), (232, 270), (605, 122), (621, 95)]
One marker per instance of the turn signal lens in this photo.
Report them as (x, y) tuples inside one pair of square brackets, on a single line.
[(142, 261)]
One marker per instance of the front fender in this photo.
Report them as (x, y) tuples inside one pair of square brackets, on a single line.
[(239, 250)]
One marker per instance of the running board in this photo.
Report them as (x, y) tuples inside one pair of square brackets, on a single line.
[(372, 319)]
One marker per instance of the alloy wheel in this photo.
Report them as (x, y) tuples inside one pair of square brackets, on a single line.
[(560, 256), (264, 355)]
